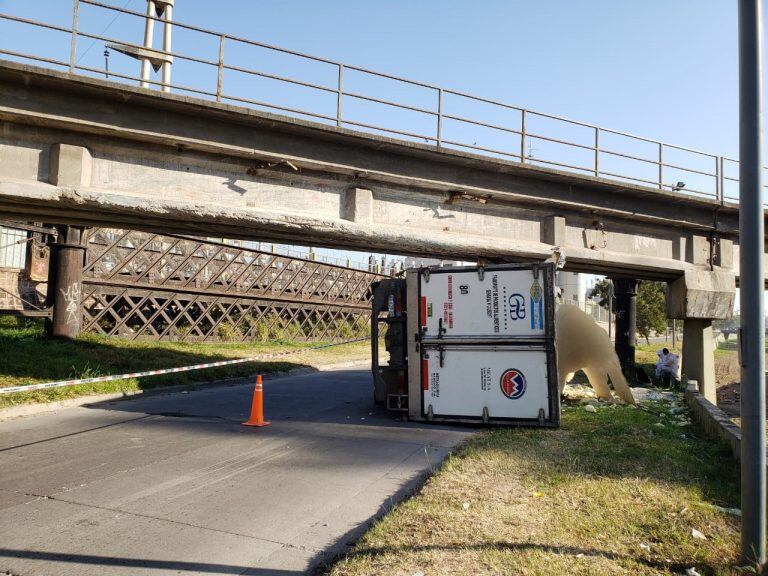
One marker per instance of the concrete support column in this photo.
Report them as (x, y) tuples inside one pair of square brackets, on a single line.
[(65, 288), (698, 297), (698, 356), (625, 293)]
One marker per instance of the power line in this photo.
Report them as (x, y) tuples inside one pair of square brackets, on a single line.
[(93, 42)]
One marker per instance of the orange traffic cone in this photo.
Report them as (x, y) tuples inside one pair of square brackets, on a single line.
[(257, 407)]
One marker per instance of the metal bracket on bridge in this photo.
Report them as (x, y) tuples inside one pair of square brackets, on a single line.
[(266, 165), (558, 257), (155, 57)]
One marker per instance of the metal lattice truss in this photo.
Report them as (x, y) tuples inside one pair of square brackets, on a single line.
[(142, 285)]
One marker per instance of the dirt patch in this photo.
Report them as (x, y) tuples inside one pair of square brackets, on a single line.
[(728, 374)]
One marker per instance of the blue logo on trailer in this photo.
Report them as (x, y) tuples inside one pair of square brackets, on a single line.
[(513, 384), (517, 307)]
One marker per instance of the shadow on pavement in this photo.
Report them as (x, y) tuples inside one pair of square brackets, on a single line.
[(177, 565)]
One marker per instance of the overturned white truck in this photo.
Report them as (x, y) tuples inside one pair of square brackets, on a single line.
[(469, 344)]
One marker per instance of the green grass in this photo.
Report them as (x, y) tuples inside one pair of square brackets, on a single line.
[(607, 493), (28, 357)]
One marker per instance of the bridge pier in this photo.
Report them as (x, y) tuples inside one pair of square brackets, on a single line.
[(698, 297), (698, 355), (65, 292), (70, 167), (625, 292)]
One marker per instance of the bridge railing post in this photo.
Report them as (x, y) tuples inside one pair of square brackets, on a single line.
[(522, 136), (718, 180), (661, 166), (73, 41), (339, 95), (722, 178), (597, 151), (439, 116), (220, 79)]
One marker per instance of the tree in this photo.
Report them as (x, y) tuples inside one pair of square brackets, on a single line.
[(651, 308), (600, 292)]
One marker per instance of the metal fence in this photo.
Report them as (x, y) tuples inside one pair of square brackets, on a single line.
[(13, 248), (449, 118), (141, 285)]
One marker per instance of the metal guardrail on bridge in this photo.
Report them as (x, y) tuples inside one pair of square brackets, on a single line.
[(567, 144)]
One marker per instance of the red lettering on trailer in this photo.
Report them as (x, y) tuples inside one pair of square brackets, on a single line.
[(448, 313), (424, 374)]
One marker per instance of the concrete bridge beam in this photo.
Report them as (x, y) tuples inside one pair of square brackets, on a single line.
[(84, 151)]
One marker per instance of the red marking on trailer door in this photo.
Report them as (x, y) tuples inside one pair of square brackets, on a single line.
[(423, 310), (424, 374)]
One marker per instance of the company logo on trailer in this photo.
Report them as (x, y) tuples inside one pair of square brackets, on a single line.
[(517, 307), (513, 384), (537, 306)]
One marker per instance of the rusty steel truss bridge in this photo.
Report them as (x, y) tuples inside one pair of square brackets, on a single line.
[(140, 285), (152, 286)]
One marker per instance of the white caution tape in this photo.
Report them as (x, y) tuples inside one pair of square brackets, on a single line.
[(61, 383)]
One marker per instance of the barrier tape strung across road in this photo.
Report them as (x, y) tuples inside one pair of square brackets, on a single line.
[(61, 383)]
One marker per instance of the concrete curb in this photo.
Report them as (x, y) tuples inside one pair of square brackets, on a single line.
[(94, 399), (715, 422)]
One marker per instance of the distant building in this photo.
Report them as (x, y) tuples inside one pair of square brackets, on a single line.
[(573, 286)]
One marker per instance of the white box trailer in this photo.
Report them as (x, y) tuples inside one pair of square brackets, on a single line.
[(487, 383), (481, 345), (489, 304)]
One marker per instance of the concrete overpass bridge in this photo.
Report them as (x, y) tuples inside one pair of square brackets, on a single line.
[(84, 151)]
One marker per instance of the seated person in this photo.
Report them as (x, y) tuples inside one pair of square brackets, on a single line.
[(666, 367)]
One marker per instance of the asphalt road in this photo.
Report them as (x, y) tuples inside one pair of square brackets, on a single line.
[(173, 484)]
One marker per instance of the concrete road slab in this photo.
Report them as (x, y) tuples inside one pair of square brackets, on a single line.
[(173, 484)]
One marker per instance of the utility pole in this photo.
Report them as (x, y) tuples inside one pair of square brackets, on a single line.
[(149, 32), (752, 330), (147, 55)]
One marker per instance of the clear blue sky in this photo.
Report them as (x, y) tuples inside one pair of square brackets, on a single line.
[(664, 69)]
